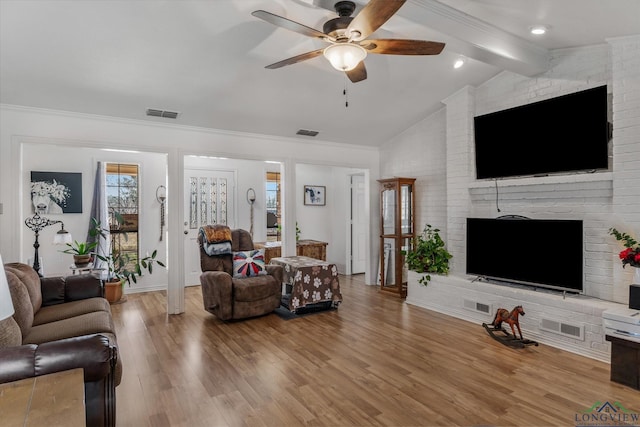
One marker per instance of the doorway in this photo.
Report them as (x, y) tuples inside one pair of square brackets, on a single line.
[(209, 199), (359, 227)]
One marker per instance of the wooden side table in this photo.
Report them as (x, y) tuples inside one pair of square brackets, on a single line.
[(55, 400), (305, 247), (625, 361)]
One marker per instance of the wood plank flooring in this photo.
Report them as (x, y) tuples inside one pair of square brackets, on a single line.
[(375, 361)]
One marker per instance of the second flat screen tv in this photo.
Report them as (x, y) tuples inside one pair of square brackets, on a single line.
[(563, 134), (535, 252)]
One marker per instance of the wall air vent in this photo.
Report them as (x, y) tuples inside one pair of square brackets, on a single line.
[(306, 132), (154, 112), (480, 307), (575, 330)]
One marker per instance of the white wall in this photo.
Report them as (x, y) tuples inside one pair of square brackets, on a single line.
[(57, 128), (327, 223), (420, 152), (39, 156)]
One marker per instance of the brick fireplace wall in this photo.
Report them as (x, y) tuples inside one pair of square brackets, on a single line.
[(447, 192)]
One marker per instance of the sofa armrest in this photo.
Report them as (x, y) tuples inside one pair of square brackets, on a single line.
[(56, 290), (93, 353)]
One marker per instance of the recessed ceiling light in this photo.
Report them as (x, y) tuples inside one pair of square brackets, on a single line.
[(538, 30), (459, 63)]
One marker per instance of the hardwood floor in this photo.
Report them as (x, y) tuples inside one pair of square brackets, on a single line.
[(375, 361)]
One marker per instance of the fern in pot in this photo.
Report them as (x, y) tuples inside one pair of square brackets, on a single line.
[(428, 255)]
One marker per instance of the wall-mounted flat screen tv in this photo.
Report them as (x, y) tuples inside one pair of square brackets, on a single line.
[(564, 134), (535, 252)]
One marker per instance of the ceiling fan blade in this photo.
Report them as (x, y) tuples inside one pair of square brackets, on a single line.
[(289, 24), (357, 74), (372, 16), (403, 47), (295, 59)]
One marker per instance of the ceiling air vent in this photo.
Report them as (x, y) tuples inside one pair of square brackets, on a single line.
[(162, 113), (306, 132)]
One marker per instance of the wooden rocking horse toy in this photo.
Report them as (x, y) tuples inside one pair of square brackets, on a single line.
[(512, 318)]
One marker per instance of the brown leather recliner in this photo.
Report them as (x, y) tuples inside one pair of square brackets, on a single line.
[(237, 298)]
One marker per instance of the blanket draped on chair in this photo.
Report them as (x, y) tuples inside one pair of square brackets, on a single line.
[(216, 239)]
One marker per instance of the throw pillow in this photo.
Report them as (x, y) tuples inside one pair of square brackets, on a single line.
[(249, 263)]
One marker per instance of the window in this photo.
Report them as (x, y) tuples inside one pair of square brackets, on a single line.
[(273, 205), (122, 198)]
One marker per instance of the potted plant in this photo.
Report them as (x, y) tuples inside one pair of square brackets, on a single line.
[(81, 252), (428, 255), (121, 268), (631, 254)]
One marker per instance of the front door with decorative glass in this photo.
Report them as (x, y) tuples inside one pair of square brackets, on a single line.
[(209, 199)]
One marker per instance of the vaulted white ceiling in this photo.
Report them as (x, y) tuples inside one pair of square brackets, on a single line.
[(206, 59)]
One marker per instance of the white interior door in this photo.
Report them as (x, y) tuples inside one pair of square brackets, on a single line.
[(209, 199), (358, 225)]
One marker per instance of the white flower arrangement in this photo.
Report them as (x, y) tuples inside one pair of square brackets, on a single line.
[(57, 192)]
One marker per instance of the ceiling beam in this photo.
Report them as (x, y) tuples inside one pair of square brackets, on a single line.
[(477, 39)]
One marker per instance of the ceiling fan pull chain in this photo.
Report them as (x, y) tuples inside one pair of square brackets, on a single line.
[(344, 92)]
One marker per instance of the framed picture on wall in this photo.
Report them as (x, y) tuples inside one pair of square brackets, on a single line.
[(56, 192), (314, 195)]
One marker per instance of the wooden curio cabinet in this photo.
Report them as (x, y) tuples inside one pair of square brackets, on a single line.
[(397, 230)]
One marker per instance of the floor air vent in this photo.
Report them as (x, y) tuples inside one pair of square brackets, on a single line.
[(162, 113), (575, 330), (480, 307)]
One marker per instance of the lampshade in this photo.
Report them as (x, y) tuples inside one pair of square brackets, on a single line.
[(345, 56), (6, 305), (62, 237)]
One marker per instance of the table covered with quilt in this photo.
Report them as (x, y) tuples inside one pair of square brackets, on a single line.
[(312, 281)]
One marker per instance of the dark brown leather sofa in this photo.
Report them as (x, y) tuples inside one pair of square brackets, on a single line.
[(62, 323), (232, 298)]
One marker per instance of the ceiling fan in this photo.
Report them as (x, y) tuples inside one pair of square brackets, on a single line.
[(347, 36)]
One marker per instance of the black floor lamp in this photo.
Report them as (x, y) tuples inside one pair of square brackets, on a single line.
[(36, 224)]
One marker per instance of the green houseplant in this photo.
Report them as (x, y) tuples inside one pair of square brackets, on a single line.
[(81, 252), (428, 255), (121, 267)]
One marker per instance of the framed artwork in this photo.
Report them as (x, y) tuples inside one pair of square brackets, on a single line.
[(56, 192), (314, 195)]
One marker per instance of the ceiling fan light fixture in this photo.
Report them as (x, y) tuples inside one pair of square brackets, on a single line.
[(345, 56)]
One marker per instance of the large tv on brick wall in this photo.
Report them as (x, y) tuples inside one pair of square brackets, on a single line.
[(545, 253), (564, 134)]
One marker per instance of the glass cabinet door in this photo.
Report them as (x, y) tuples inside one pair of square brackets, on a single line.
[(406, 211), (389, 208), (389, 267)]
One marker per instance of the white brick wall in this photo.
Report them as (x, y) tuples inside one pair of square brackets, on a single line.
[(601, 200), (419, 153), (446, 294)]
